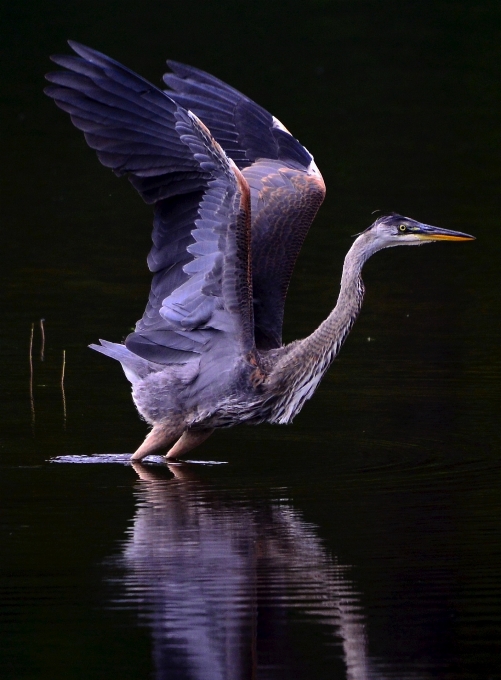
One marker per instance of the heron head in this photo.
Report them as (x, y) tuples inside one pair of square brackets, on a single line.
[(397, 230)]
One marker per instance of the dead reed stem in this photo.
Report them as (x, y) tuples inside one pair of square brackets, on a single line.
[(62, 386), (42, 348), (32, 400)]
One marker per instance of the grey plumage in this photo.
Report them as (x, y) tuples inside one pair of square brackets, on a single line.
[(234, 195)]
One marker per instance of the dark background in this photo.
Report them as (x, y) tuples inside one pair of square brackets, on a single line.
[(395, 461)]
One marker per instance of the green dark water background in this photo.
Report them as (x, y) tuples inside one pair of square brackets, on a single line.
[(363, 541)]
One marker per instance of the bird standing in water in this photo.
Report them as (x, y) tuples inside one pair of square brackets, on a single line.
[(234, 195)]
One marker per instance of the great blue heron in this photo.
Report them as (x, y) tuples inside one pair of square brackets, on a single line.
[(234, 196)]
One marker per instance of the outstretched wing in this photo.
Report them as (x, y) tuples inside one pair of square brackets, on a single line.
[(286, 187), (201, 293)]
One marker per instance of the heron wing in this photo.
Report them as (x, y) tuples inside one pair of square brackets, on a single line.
[(286, 187), (284, 202), (245, 130), (201, 291)]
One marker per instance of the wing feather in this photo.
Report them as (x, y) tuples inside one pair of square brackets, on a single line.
[(284, 203), (285, 185), (231, 117), (201, 289), (220, 238)]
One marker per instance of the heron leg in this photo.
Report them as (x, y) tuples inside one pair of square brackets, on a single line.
[(157, 441), (188, 441)]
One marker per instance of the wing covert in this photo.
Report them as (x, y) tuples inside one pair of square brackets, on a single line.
[(284, 203)]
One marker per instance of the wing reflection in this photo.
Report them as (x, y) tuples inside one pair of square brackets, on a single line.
[(224, 583)]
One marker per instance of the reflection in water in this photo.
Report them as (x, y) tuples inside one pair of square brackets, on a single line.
[(220, 582)]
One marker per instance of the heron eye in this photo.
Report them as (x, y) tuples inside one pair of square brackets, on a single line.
[(402, 227)]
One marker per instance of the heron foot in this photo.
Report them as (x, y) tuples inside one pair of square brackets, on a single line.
[(157, 441), (188, 441)]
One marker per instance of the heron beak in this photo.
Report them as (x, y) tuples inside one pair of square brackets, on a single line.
[(428, 233)]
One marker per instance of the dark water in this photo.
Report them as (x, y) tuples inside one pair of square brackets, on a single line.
[(364, 541)]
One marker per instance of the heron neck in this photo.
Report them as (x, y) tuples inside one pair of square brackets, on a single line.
[(309, 358), (331, 334)]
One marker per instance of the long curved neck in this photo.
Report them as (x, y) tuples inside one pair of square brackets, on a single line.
[(305, 361)]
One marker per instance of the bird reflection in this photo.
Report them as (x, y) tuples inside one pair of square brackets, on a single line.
[(221, 580)]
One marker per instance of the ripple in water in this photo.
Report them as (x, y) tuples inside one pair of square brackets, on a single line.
[(124, 459)]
